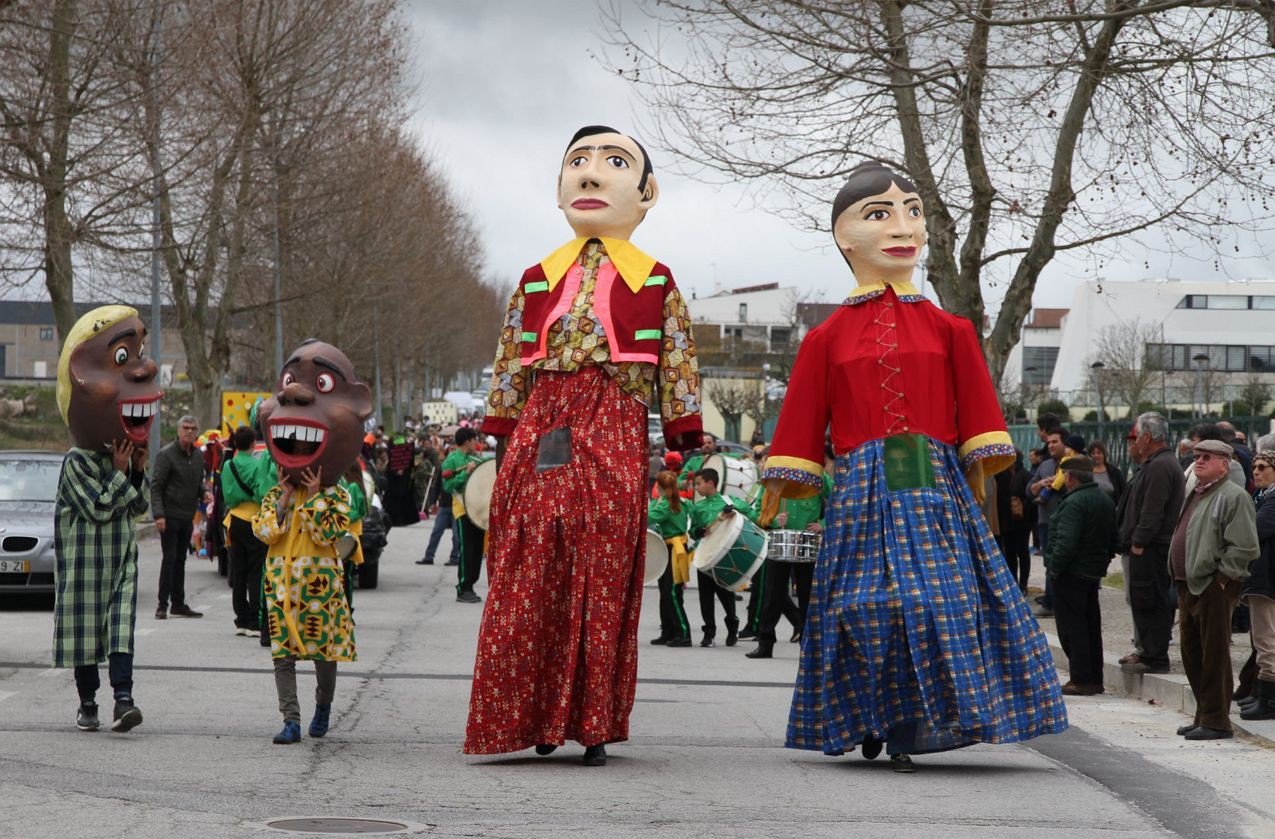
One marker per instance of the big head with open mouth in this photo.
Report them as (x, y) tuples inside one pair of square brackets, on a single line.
[(606, 184), (315, 419), (878, 221), (106, 385)]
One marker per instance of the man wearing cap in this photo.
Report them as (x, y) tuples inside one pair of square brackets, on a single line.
[(1148, 512), (1082, 540), (1215, 540)]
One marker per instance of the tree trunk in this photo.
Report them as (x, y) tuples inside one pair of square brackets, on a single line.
[(58, 234)]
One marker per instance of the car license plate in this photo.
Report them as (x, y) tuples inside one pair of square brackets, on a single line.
[(13, 566)]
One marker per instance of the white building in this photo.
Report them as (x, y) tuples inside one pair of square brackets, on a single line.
[(761, 316)]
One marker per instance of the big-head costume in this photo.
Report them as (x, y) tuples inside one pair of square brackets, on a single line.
[(594, 333), (108, 397), (314, 427), (917, 634)]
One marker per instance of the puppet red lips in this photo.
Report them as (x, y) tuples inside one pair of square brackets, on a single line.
[(296, 443), (136, 416), (910, 250), (589, 204)]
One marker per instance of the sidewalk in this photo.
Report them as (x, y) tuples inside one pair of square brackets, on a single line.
[(1169, 690)]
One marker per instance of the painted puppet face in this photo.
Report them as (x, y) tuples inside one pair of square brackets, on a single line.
[(598, 186), (315, 419), (882, 235), (114, 396)]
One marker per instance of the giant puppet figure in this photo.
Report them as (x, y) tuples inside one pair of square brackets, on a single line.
[(108, 397), (594, 333), (917, 636), (314, 430)]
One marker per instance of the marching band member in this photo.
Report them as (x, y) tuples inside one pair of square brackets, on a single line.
[(707, 509), (668, 516), (459, 464)]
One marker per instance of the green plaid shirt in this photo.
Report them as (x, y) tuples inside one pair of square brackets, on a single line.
[(96, 568)]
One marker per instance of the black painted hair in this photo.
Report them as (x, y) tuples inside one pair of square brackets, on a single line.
[(867, 179), (590, 130)]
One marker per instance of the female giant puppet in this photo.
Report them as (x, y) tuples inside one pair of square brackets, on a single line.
[(917, 638), (108, 397), (593, 333)]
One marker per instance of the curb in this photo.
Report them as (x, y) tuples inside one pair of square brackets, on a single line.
[(1170, 690)]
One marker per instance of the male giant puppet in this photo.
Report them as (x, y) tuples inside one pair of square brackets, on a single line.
[(314, 429), (108, 397), (917, 639), (594, 332)]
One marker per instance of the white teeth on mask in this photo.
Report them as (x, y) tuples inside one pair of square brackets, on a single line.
[(318, 435), (149, 409), (127, 409)]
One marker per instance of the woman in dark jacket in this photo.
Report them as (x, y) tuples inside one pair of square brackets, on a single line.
[(1259, 594), (1016, 515), (1106, 474)]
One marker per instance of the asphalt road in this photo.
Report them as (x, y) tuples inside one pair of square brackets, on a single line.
[(706, 758)]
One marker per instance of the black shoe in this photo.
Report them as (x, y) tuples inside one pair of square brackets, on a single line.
[(127, 716), (161, 613), (595, 755), (748, 635), (762, 651), (184, 611), (679, 642), (1202, 732), (451, 562), (545, 749), (468, 597), (732, 633), (871, 747), (424, 562), (1262, 709), (660, 641), (86, 717), (708, 641), (902, 764), (1184, 730)]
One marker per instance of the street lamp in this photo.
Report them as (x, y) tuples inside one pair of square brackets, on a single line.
[(1200, 360), (1097, 368), (1027, 385)]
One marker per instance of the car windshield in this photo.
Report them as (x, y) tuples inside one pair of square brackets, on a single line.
[(28, 480)]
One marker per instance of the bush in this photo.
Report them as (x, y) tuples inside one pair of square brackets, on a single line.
[(1054, 406), (1150, 407), (1092, 416)]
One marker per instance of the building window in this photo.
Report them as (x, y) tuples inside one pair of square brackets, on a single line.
[(1220, 357), (732, 332), (743, 313), (1038, 365), (1264, 302), (46, 333), (1231, 302), (779, 338)]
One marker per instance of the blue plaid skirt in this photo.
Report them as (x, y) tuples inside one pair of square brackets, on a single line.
[(914, 618)]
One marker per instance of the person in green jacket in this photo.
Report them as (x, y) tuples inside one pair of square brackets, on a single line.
[(241, 491), (801, 514), (457, 467), (1083, 538), (695, 462), (669, 516), (708, 507)]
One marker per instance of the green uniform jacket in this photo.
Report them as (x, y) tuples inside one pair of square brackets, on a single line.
[(706, 510), (249, 471), (661, 517), (358, 500), (455, 476), (693, 464), (1222, 536), (1082, 534), (802, 512), (95, 565)]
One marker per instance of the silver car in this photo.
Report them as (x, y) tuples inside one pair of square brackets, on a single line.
[(28, 488)]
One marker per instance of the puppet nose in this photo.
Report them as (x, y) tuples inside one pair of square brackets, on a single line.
[(589, 183), (144, 371), (296, 394)]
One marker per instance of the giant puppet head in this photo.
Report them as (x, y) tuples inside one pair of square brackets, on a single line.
[(606, 184), (879, 224), (106, 386), (315, 419)]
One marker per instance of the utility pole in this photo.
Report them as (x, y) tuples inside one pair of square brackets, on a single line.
[(278, 251), (376, 354)]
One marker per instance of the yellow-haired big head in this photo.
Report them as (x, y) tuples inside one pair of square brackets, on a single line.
[(106, 386)]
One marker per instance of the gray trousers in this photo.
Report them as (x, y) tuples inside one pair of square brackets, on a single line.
[(285, 684)]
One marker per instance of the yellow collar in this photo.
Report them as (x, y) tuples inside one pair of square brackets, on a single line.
[(903, 290), (633, 265)]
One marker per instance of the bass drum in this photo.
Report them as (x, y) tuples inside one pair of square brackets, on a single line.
[(736, 477), (477, 495), (656, 557)]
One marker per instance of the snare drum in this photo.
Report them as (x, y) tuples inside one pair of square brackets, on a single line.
[(732, 551), (793, 546), (735, 476), (656, 557), (477, 494)]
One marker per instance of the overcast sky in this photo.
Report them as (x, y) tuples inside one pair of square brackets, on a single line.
[(502, 85)]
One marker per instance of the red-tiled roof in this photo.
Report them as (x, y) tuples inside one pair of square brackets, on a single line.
[(1046, 318)]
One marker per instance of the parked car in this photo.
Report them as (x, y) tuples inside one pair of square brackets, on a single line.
[(28, 491)]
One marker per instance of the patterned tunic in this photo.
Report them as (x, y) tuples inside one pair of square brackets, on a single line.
[(96, 564), (303, 582)]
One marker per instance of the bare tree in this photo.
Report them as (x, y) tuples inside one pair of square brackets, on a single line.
[(1129, 371), (1029, 128)]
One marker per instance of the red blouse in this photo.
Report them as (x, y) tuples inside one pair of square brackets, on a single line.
[(886, 364)]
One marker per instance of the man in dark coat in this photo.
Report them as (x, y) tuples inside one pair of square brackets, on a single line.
[(175, 493)]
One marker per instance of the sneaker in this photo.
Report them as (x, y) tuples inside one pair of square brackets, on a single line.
[(748, 635), (708, 641), (902, 764), (732, 634), (290, 733), (322, 717), (659, 641), (241, 630), (127, 716), (468, 597), (451, 562), (86, 717), (184, 611), (424, 562), (679, 642), (252, 633)]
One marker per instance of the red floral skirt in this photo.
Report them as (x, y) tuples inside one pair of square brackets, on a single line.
[(557, 648)]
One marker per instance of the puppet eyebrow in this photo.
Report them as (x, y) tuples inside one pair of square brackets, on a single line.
[(884, 203), (626, 152), (912, 201), (323, 362), (127, 333)]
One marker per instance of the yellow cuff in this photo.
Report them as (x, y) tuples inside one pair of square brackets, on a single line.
[(995, 450)]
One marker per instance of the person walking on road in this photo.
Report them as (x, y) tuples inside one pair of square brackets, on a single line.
[(1215, 540), (1259, 594), (1082, 539), (242, 490), (175, 493), (1148, 512)]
